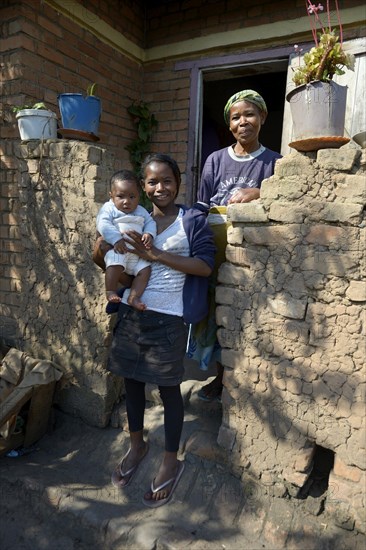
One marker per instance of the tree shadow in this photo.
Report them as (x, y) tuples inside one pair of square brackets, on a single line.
[(65, 488), (61, 291), (292, 348)]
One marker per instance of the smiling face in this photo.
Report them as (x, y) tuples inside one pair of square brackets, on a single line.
[(160, 184), (245, 123), (125, 195)]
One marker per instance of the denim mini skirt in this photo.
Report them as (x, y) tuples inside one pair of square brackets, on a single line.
[(148, 346)]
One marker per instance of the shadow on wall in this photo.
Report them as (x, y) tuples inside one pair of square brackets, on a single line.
[(61, 186), (293, 342)]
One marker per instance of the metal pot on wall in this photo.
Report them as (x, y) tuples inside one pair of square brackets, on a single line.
[(318, 112), (360, 139)]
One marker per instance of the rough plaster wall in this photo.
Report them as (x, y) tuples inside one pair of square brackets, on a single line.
[(290, 308), (292, 322), (61, 186)]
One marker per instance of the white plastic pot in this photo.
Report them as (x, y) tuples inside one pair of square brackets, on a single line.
[(37, 124)]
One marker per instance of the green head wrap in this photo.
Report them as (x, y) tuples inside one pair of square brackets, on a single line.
[(244, 95)]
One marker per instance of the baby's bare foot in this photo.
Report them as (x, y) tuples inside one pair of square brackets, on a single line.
[(112, 296), (134, 301)]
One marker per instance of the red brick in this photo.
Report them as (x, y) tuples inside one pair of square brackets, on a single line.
[(32, 30), (51, 55), (48, 25)]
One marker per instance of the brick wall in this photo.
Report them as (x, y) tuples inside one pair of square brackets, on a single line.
[(43, 54), (167, 92), (60, 290), (47, 54), (194, 18), (291, 312)]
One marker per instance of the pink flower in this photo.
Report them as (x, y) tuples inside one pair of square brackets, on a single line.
[(312, 8)]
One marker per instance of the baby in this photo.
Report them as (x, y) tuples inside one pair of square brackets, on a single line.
[(120, 214)]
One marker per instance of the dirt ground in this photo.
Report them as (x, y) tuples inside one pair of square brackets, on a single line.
[(60, 497)]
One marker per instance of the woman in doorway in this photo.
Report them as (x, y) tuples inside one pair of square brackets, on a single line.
[(230, 175), (150, 345)]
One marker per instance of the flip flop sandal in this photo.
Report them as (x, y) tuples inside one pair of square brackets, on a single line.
[(151, 503), (121, 478)]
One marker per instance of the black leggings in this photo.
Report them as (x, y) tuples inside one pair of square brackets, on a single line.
[(173, 411)]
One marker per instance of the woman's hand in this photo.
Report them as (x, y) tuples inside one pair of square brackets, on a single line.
[(245, 195), (135, 239), (120, 247), (189, 265)]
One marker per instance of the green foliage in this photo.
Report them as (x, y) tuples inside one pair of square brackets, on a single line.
[(91, 89), (39, 105), (323, 61), (145, 123), (327, 58)]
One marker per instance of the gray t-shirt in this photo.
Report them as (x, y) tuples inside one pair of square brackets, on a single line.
[(224, 172)]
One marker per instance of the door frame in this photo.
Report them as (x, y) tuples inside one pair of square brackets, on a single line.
[(197, 69)]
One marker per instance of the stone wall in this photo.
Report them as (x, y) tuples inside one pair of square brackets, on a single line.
[(291, 311), (60, 290)]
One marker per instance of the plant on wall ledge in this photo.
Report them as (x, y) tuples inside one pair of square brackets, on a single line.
[(327, 58), (317, 102), (140, 147), (37, 106)]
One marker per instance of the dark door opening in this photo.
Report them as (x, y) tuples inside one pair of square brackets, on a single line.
[(267, 79)]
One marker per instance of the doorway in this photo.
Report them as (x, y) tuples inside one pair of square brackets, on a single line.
[(211, 87), (267, 78)]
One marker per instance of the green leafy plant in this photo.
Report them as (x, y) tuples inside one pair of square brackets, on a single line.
[(146, 123), (91, 89), (39, 105), (327, 58)]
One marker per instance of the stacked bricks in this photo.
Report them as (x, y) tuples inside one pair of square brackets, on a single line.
[(291, 315), (45, 53), (61, 294), (169, 22)]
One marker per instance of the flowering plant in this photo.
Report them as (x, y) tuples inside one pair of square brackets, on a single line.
[(327, 57)]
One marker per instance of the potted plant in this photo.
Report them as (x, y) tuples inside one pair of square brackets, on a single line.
[(36, 122), (80, 115), (317, 103)]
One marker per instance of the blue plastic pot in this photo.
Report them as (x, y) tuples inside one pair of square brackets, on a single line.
[(79, 112)]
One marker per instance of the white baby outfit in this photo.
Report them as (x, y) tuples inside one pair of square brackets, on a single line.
[(112, 224)]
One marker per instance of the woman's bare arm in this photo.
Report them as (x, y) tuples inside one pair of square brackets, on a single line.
[(101, 247)]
